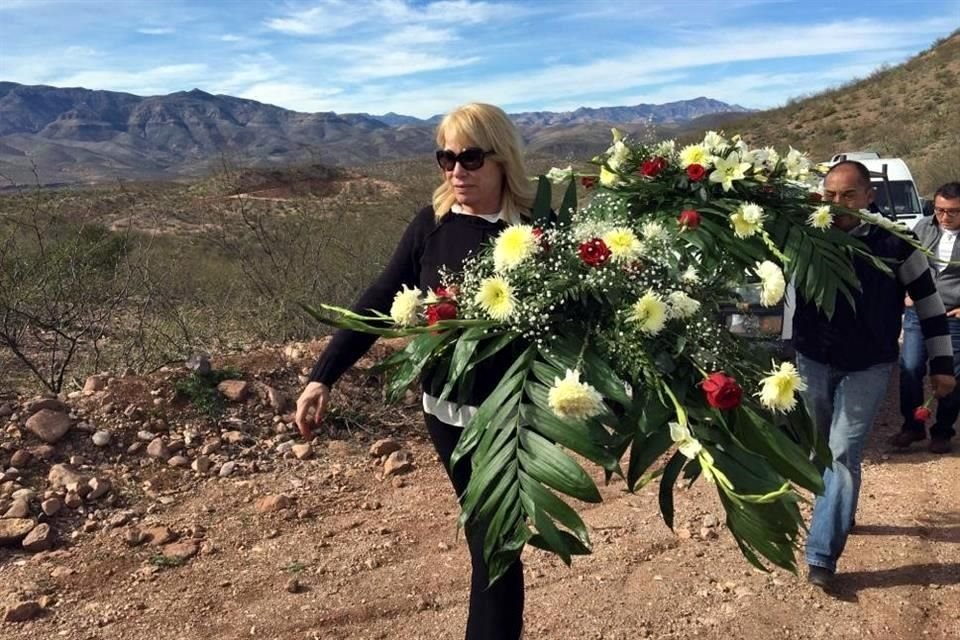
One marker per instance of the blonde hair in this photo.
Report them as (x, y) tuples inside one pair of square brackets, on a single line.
[(489, 128)]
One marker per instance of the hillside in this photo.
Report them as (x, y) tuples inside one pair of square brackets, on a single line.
[(910, 111), (80, 135)]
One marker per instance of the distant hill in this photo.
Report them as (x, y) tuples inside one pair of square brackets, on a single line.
[(910, 111), (82, 135)]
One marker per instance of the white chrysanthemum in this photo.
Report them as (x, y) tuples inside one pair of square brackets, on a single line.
[(653, 231), (772, 283), (514, 245), (798, 164), (570, 398), (405, 309), (623, 244), (821, 218), (665, 149), (650, 313), (557, 175), (496, 298), (728, 170), (779, 389), (689, 446), (695, 154), (681, 305), (714, 141), (747, 220), (690, 275)]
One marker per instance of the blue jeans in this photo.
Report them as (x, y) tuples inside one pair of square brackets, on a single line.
[(842, 405), (913, 368)]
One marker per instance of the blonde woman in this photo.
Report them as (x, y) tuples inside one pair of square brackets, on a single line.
[(483, 188)]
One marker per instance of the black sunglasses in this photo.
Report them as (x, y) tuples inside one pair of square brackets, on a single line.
[(470, 159)]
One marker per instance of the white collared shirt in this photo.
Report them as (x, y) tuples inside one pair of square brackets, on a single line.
[(945, 248)]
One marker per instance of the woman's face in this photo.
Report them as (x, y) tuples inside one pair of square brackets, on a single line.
[(478, 191)]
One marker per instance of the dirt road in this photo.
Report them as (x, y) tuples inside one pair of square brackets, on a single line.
[(375, 560)]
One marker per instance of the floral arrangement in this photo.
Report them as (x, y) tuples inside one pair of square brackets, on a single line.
[(615, 312)]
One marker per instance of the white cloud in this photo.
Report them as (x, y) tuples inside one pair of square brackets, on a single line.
[(331, 16), (153, 81), (156, 31), (294, 96)]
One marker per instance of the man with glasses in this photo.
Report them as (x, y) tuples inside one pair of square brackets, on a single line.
[(938, 234)]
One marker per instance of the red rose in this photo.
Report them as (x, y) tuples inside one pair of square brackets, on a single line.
[(588, 182), (722, 391), (921, 414), (651, 168), (541, 241), (594, 252), (441, 311), (696, 172), (689, 219)]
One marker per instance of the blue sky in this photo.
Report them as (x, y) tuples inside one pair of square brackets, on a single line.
[(422, 57)]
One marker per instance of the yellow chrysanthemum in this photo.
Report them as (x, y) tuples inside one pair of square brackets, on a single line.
[(650, 312), (779, 389), (406, 307), (747, 220), (821, 218), (513, 246), (623, 244), (495, 297), (570, 398), (694, 154), (608, 178), (772, 283)]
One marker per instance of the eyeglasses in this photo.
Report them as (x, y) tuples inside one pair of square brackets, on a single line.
[(943, 211), (470, 159)]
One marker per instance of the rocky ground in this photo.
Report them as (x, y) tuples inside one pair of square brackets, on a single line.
[(127, 513)]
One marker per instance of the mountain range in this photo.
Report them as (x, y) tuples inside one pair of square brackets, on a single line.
[(79, 135)]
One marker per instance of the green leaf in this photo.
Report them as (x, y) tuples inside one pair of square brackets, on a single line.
[(533, 492), (569, 204), (665, 495), (541, 203), (571, 435), (644, 451), (544, 461), (465, 348)]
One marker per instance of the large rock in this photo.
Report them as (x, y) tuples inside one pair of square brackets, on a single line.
[(20, 458), (19, 509), (13, 530), (273, 503), (181, 551), (61, 475), (384, 447), (158, 536), (50, 404), (49, 425), (398, 462), (279, 401), (99, 487), (39, 539), (94, 384), (234, 390), (157, 449)]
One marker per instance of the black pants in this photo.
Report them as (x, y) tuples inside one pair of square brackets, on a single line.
[(496, 612)]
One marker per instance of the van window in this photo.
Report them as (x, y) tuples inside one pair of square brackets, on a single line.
[(906, 203)]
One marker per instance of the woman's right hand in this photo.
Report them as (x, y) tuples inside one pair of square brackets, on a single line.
[(315, 396)]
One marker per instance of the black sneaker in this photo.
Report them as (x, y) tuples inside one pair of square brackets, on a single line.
[(939, 444), (820, 577), (904, 439)]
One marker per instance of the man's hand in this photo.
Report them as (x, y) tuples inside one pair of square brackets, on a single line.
[(954, 313), (315, 396), (908, 301), (942, 384)]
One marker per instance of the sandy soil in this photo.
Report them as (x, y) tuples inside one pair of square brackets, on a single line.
[(376, 561)]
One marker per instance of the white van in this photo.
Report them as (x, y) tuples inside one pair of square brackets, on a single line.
[(898, 188)]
